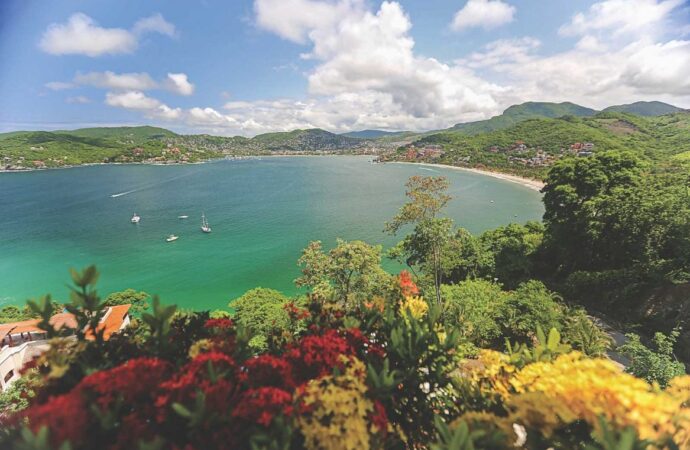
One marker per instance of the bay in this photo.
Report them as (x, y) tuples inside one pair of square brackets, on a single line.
[(263, 212)]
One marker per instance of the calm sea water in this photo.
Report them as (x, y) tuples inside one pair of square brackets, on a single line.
[(262, 211)]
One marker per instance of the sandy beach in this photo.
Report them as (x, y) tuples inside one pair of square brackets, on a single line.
[(527, 182)]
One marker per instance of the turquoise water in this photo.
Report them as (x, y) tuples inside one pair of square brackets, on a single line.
[(263, 212)]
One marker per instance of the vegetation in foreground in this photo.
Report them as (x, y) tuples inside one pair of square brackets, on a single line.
[(475, 347)]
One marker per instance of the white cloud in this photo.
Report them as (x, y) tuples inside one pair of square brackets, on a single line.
[(58, 85), (81, 35), (502, 52), (131, 100), (122, 81), (294, 19), (79, 99), (486, 14), (366, 74), (138, 101), (179, 84), (155, 23), (620, 17), (659, 68)]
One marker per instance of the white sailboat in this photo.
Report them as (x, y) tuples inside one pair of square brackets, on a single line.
[(205, 227), (135, 218)]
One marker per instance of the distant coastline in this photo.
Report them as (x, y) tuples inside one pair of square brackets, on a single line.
[(527, 182)]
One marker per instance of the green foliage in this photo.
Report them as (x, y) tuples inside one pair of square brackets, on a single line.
[(655, 364), (529, 307), (431, 236), (159, 321), (522, 112), (475, 308), (644, 108), (138, 300), (12, 313), (460, 437), (584, 335), (545, 349), (263, 312), (351, 272), (17, 396), (513, 248)]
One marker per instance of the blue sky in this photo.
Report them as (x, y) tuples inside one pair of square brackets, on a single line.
[(247, 67)]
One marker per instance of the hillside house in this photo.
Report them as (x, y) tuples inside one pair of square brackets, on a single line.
[(21, 342)]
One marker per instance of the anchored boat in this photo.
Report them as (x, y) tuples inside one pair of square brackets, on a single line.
[(205, 227)]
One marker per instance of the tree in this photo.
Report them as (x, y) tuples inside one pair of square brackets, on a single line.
[(474, 307), (529, 306), (513, 248), (262, 311), (574, 188), (139, 300), (428, 196), (349, 272), (424, 247)]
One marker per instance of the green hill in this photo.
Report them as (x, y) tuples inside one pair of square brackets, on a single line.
[(305, 140), (372, 134), (645, 108), (524, 111), (529, 147)]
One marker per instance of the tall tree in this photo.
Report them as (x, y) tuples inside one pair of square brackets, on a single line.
[(427, 198)]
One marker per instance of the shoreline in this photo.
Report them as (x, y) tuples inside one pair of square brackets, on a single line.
[(527, 182)]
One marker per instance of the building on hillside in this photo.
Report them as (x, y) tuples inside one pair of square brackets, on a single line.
[(21, 342)]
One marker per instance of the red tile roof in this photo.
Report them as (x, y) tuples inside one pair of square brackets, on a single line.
[(113, 321)]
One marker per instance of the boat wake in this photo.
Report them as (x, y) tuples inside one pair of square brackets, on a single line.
[(430, 170), (153, 184), (121, 194)]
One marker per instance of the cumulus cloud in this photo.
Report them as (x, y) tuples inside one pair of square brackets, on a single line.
[(138, 101), (179, 84), (131, 100), (122, 81), (81, 35), (366, 72), (503, 52), (620, 17), (294, 19), (485, 14)]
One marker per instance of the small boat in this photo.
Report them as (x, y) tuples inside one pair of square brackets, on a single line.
[(182, 217), (492, 201), (205, 227), (171, 238), (135, 218)]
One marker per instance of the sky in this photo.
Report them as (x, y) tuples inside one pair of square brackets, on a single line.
[(246, 67)]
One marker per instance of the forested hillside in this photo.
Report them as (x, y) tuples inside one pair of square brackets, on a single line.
[(530, 147)]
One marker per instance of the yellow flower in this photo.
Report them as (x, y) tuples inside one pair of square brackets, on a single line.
[(338, 410), (416, 306)]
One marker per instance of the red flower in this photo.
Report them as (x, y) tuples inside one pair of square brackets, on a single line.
[(261, 405), (268, 370), (214, 373), (66, 416), (379, 417), (295, 312), (407, 286), (219, 323), (134, 381), (316, 356)]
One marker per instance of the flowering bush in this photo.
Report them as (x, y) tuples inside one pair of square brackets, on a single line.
[(380, 374)]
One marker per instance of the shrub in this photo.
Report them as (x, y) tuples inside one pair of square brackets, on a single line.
[(654, 365)]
